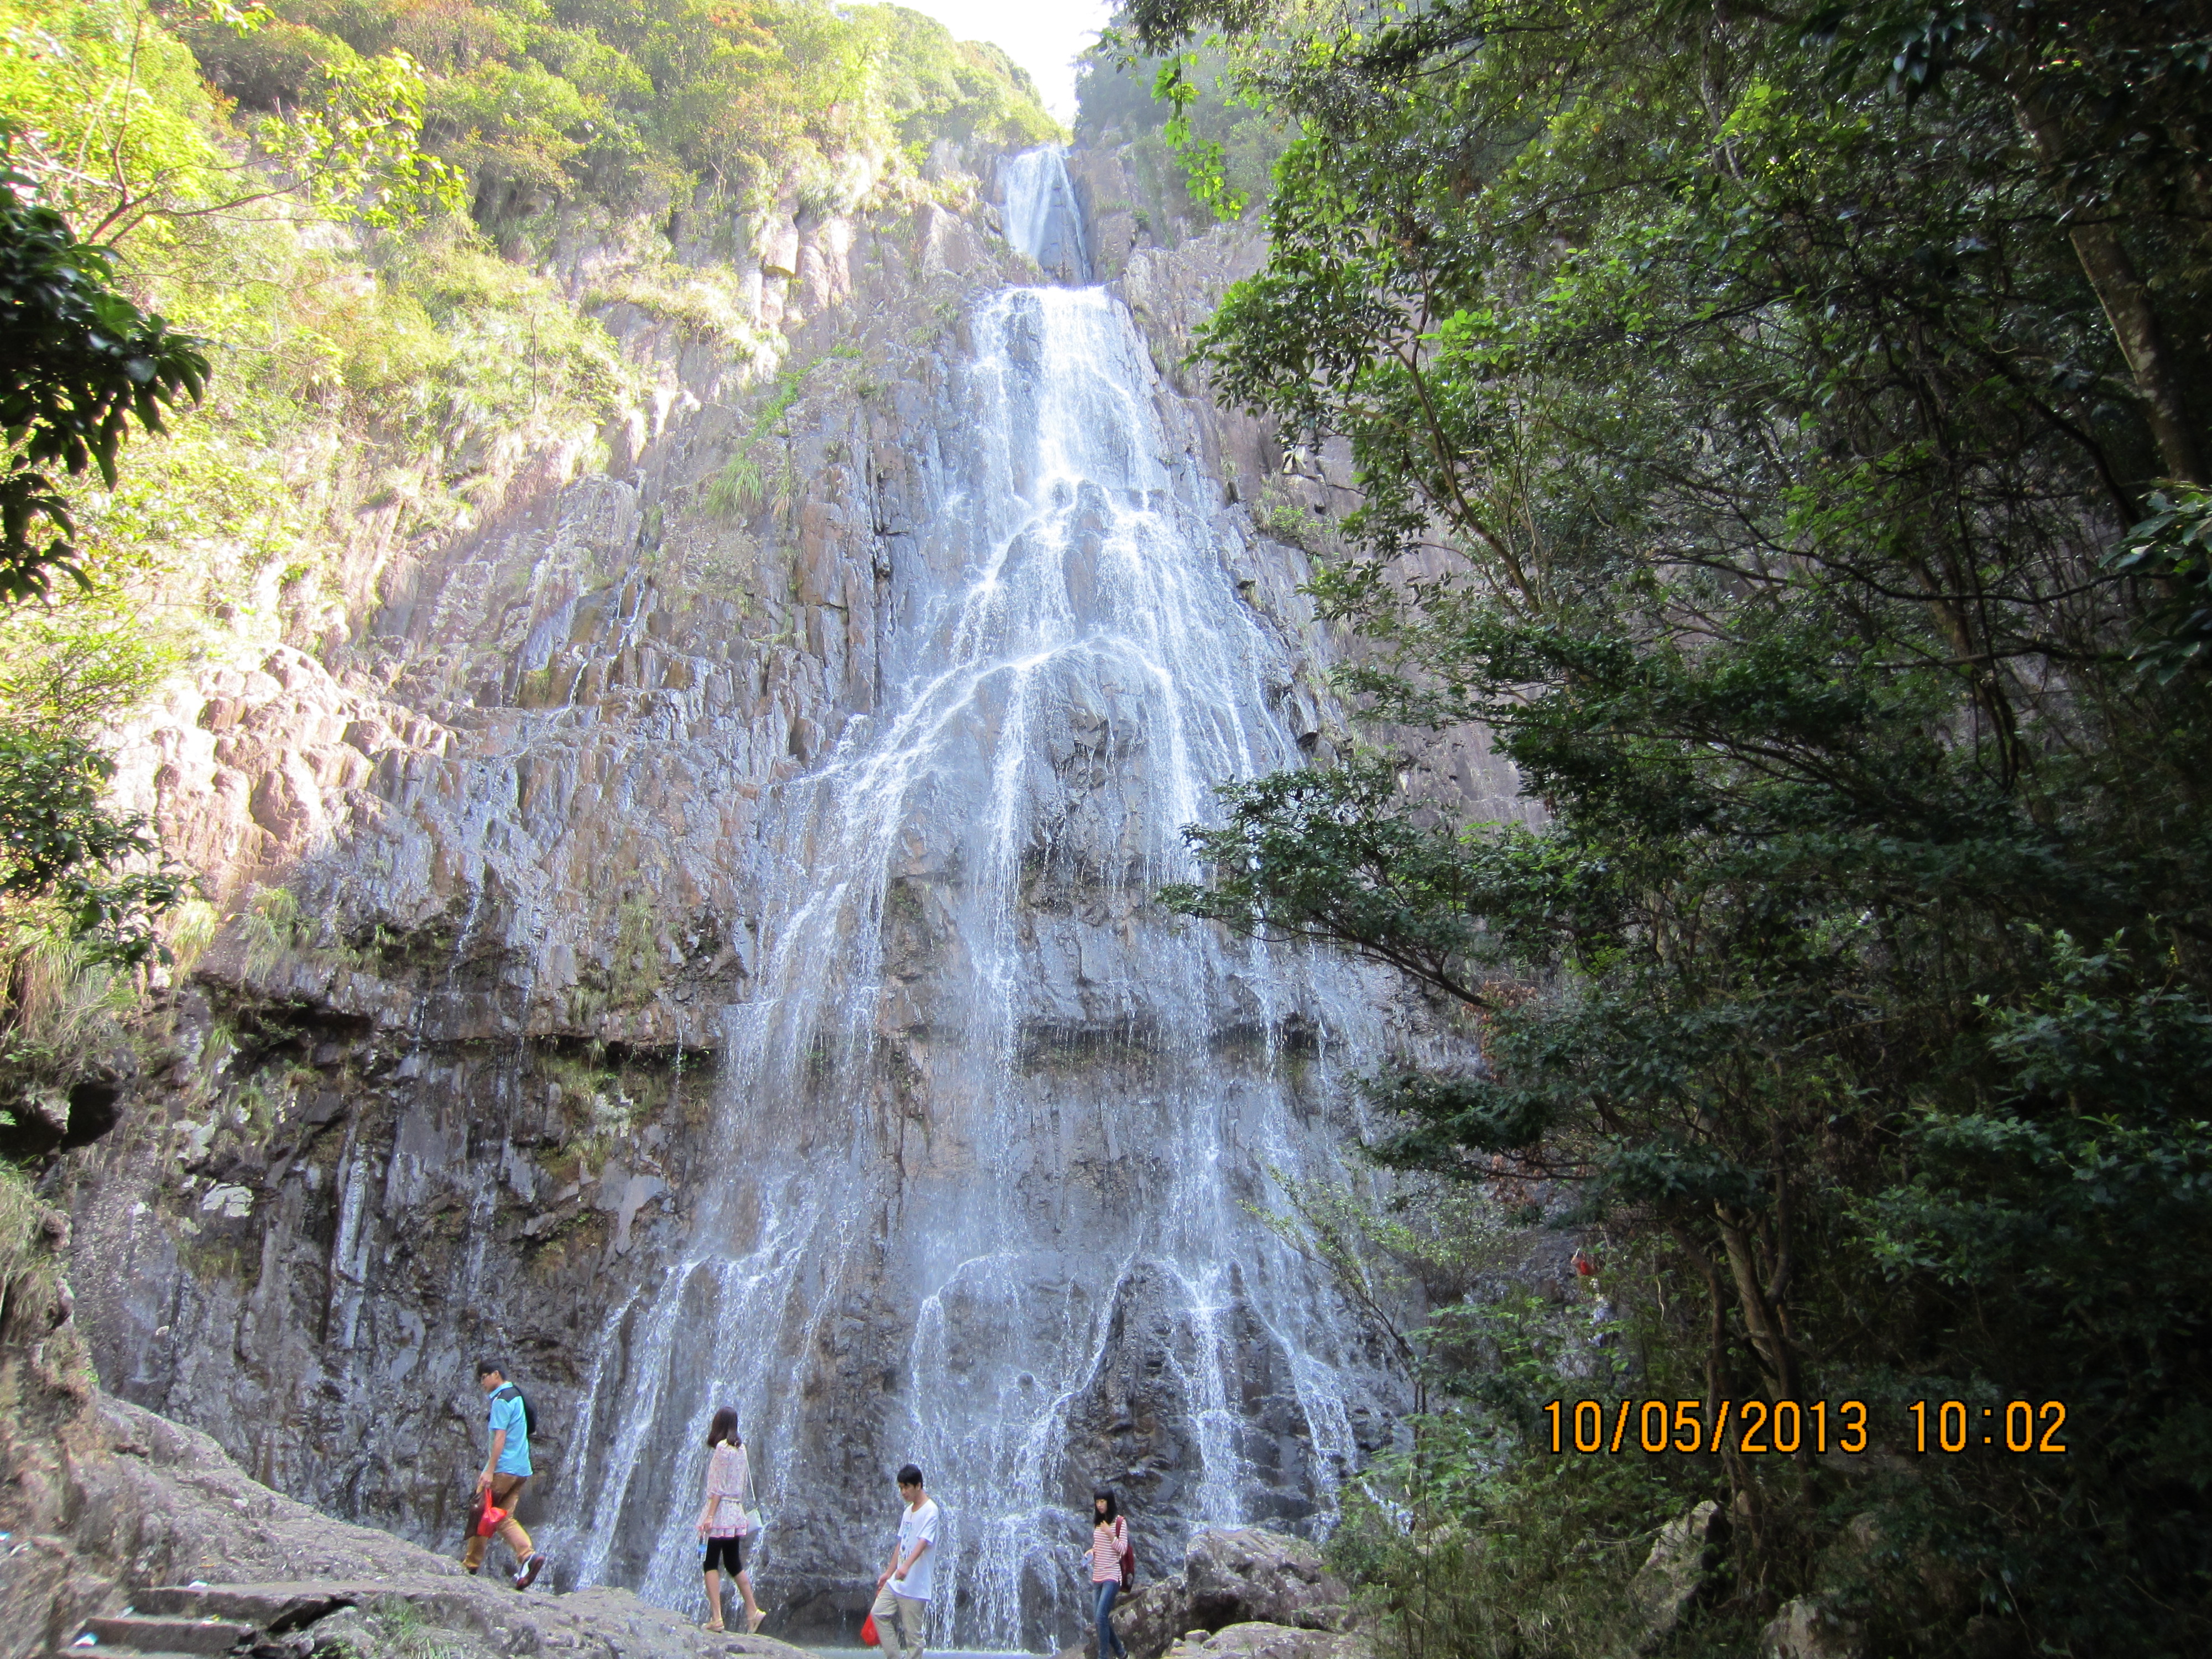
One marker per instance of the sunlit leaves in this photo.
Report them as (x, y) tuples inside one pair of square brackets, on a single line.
[(79, 365), (60, 844)]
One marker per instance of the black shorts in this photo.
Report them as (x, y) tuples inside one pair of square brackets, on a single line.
[(724, 1554)]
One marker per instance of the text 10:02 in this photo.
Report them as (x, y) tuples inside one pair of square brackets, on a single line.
[(2024, 1426)]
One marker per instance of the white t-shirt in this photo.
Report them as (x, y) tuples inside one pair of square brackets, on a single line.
[(914, 1527)]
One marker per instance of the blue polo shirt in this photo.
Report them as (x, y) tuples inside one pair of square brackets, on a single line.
[(507, 1414)]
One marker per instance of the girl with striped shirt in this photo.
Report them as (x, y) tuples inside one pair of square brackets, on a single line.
[(1109, 1538)]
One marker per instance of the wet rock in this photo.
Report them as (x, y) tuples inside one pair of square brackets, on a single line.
[(579, 709)]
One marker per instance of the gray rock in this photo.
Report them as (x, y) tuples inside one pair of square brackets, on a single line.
[(344, 1635), (278, 1611), (1246, 1577), (522, 811), (1256, 1639), (1679, 1570), (109, 1496), (1807, 1628), (1254, 1574)]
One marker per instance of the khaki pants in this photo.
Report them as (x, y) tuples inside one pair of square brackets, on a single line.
[(899, 1624), (506, 1491)]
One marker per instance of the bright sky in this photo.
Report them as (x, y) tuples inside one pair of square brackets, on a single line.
[(1042, 36)]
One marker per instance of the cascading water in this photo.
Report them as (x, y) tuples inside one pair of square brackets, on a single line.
[(992, 1117), (1042, 217)]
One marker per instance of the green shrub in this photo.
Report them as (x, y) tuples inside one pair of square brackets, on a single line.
[(278, 66)]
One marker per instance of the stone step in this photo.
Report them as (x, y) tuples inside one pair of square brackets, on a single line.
[(279, 1609), (142, 1634)]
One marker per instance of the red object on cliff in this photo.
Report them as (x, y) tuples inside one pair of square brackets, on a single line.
[(490, 1517), (868, 1638), (1584, 1266)]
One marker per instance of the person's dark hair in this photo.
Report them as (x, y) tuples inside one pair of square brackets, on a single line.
[(1113, 1508), (910, 1476), (724, 1428), (489, 1368)]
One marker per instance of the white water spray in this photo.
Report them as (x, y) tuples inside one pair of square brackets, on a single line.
[(992, 1118)]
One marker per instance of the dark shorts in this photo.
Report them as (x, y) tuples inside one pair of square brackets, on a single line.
[(724, 1555)]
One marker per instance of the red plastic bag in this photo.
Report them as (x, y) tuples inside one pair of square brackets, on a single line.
[(491, 1518), (868, 1638)]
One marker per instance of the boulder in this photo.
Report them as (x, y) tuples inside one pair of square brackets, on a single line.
[(1679, 1570), (1807, 1628), (1246, 1576), (1256, 1639), (141, 1532)]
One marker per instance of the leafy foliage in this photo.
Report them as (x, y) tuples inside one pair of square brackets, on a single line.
[(1788, 442), (78, 363), (2172, 549), (58, 842), (118, 133), (1198, 145), (638, 108)]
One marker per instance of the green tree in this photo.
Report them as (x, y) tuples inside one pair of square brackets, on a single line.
[(1751, 414), (79, 363)]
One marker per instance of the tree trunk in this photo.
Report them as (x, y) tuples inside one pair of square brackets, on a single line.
[(1775, 1356), (2128, 308)]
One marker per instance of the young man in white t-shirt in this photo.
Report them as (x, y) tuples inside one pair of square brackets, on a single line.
[(903, 1591)]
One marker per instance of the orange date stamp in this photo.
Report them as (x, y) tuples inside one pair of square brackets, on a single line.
[(1788, 1427)]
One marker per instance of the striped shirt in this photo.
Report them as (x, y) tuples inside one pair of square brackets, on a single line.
[(1106, 1544)]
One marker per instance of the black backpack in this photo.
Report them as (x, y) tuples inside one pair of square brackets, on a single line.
[(529, 1411)]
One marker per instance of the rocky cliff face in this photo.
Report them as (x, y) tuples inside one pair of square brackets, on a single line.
[(136, 1535), (498, 1055)]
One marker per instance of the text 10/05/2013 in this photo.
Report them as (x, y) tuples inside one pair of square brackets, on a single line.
[(1789, 1426)]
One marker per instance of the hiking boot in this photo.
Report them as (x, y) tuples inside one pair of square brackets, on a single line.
[(531, 1569)]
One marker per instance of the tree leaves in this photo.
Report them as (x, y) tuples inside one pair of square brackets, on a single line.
[(60, 843), (79, 363), (1747, 407)]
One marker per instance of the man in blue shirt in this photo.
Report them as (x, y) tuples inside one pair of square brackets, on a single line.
[(506, 1467)]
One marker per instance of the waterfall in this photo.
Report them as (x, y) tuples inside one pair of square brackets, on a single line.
[(1042, 215), (991, 1118)]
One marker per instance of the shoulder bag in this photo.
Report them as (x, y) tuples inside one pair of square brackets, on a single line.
[(751, 1519)]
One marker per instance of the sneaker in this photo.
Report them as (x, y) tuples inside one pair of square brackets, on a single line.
[(531, 1569)]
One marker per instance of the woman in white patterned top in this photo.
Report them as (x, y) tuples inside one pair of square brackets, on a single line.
[(1109, 1538), (723, 1522)]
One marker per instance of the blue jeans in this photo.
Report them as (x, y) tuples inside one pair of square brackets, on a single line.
[(1108, 1644)]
